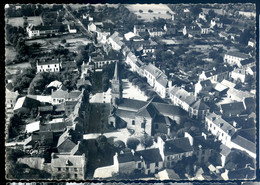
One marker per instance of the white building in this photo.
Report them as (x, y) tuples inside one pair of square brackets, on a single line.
[(234, 58), (48, 66)]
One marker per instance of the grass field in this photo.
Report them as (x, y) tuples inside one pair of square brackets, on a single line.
[(159, 11), (10, 53), (18, 21)]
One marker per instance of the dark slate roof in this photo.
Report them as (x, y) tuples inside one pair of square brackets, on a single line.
[(234, 108), (245, 173), (201, 141), (167, 109), (205, 83), (52, 27), (125, 113), (162, 119), (132, 104), (176, 146), (244, 143), (150, 155), (250, 104), (73, 94), (128, 157), (157, 99), (199, 105), (43, 62), (148, 111), (247, 61)]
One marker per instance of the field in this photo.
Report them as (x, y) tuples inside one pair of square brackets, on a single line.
[(18, 21), (78, 6), (51, 43), (10, 53), (159, 11)]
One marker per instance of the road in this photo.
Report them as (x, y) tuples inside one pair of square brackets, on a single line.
[(78, 21)]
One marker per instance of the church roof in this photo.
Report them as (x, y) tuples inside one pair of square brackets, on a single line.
[(148, 111)]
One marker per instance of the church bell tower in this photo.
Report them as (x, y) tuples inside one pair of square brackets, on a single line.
[(116, 89)]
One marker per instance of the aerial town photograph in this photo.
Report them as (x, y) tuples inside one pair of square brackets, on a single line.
[(147, 92)]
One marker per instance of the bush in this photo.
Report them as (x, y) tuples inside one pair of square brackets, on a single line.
[(150, 11), (132, 143), (147, 141)]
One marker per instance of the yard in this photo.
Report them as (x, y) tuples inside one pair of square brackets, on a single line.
[(19, 21), (157, 11)]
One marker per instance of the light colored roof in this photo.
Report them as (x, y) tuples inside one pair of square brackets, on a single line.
[(59, 94), (239, 94), (168, 174), (244, 143), (63, 160), (19, 103), (11, 95), (57, 120), (221, 123), (228, 83), (238, 54), (55, 83), (129, 35), (220, 87), (32, 127), (199, 105)]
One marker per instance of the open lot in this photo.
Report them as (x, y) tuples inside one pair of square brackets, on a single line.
[(18, 21), (159, 11), (74, 41)]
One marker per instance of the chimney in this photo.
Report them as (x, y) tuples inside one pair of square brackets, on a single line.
[(234, 124), (186, 134), (133, 152)]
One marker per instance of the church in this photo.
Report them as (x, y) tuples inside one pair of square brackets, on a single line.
[(150, 117)]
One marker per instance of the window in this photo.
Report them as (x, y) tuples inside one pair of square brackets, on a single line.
[(59, 169), (148, 165), (55, 65), (139, 165), (75, 169), (133, 122), (76, 175), (156, 164), (67, 169), (142, 125), (48, 65)]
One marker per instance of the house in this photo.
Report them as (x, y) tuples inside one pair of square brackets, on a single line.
[(203, 86), (250, 104), (66, 142), (180, 97), (152, 160), (247, 14), (251, 43), (10, 99), (234, 57), (157, 79), (168, 174), (60, 96), (220, 128), (170, 29), (214, 75), (250, 62), (35, 31), (72, 165), (56, 125), (232, 109), (224, 152), (173, 150), (238, 95), (198, 110), (191, 31), (116, 41), (25, 105), (228, 83), (239, 74), (92, 27), (202, 16), (138, 29), (102, 35), (215, 22), (101, 60), (156, 32), (48, 66), (205, 30), (32, 127), (55, 84), (128, 36), (43, 137), (72, 28)]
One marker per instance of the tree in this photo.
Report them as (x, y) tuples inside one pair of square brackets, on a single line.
[(150, 11), (132, 143), (63, 41), (146, 141), (141, 11), (119, 145)]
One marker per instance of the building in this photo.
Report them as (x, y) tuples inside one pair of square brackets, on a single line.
[(116, 88), (72, 28), (10, 99), (214, 75), (116, 41), (173, 150), (232, 109), (138, 29), (100, 61), (60, 96), (220, 128), (25, 105), (36, 31), (239, 74), (198, 110), (48, 66), (234, 58), (215, 22), (66, 166), (203, 86), (238, 95), (156, 32)]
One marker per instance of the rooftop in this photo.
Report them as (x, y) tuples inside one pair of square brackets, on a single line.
[(150, 155), (177, 146), (238, 54)]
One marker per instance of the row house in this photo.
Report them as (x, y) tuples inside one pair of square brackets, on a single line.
[(35, 31), (220, 128), (74, 166), (136, 64), (173, 150), (198, 110), (157, 79), (48, 66), (191, 31), (234, 58)]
